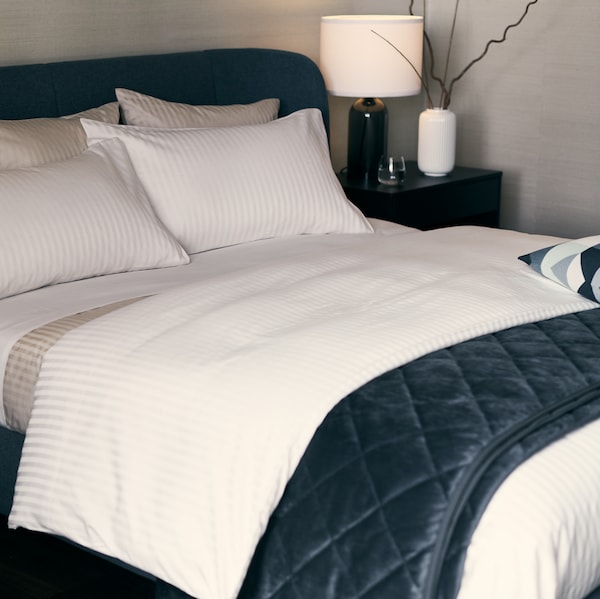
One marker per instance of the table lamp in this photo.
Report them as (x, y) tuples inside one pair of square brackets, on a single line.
[(370, 56)]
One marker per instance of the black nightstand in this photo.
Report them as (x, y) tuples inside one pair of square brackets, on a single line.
[(467, 196)]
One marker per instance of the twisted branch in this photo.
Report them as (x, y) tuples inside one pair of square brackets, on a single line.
[(441, 82), (485, 50), (446, 91), (429, 46)]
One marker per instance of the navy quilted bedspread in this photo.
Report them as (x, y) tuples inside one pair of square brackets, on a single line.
[(387, 495)]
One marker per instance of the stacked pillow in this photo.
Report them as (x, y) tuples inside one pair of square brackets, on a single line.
[(68, 212), (147, 111), (177, 179), (78, 218), (31, 142), (215, 187)]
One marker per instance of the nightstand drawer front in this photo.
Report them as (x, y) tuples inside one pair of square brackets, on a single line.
[(467, 196), (468, 203)]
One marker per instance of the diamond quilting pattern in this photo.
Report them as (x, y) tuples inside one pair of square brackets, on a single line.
[(360, 515)]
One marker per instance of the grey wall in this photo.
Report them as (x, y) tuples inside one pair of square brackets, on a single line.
[(529, 108), (34, 30)]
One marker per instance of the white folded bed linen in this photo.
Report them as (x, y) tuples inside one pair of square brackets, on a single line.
[(26, 357), (255, 306), (81, 300)]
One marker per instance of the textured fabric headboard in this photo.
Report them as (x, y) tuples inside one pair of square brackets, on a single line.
[(220, 76)]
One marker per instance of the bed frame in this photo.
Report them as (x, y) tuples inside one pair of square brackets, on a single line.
[(223, 76)]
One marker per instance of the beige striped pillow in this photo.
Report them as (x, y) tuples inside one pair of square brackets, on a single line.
[(222, 186), (79, 218), (31, 142), (146, 111)]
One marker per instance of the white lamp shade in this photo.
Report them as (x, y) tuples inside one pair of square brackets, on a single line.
[(356, 62)]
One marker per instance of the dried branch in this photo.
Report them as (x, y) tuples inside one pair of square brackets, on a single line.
[(432, 74), (429, 46), (485, 51), (446, 91)]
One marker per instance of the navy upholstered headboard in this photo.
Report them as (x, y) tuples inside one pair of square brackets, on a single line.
[(220, 76)]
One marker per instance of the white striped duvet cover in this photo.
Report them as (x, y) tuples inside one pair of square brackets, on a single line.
[(164, 434)]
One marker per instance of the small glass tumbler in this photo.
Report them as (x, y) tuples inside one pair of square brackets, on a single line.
[(391, 170)]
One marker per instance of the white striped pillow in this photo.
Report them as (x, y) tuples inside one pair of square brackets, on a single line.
[(31, 142), (224, 186), (79, 218), (146, 111)]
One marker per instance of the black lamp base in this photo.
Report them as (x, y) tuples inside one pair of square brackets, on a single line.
[(367, 137)]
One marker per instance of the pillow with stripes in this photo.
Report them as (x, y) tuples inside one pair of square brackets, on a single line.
[(216, 187), (79, 218), (146, 111), (31, 142), (575, 264)]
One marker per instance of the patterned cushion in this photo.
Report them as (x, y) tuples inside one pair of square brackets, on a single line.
[(146, 111), (574, 264)]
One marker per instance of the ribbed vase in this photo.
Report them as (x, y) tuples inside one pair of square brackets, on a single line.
[(437, 142)]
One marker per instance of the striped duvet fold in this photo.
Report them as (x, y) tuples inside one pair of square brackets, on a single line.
[(25, 360)]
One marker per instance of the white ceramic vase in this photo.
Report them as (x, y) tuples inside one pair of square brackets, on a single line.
[(437, 141)]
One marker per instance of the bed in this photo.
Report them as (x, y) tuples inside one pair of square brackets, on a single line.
[(219, 373)]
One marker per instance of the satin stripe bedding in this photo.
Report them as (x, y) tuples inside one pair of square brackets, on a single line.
[(284, 184), (23, 313), (146, 111), (30, 142), (344, 316), (25, 360)]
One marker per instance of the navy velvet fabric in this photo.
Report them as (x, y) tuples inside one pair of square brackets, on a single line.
[(361, 515)]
